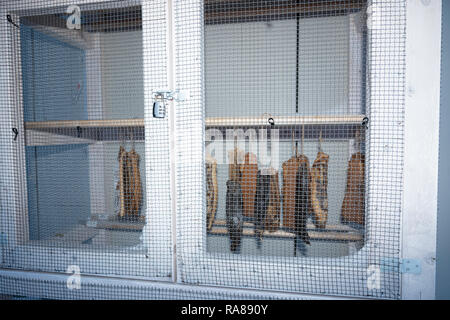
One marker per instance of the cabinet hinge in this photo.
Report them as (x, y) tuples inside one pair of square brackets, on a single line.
[(170, 95)]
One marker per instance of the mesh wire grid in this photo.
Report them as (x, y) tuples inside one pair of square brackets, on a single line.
[(300, 192), (76, 99), (278, 181)]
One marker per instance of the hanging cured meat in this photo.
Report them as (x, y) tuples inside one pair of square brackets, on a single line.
[(129, 184), (272, 221), (212, 191), (290, 168), (234, 204), (353, 204), (135, 184), (248, 183), (267, 203), (318, 189), (235, 160), (234, 216), (123, 183), (302, 201), (261, 204)]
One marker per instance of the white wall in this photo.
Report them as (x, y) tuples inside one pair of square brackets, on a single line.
[(250, 68), (122, 75)]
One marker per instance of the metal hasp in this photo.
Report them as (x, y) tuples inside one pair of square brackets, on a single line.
[(411, 266), (177, 95), (159, 97)]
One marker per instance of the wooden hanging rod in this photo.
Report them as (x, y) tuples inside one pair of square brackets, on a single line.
[(284, 121), (85, 124), (314, 235), (210, 122)]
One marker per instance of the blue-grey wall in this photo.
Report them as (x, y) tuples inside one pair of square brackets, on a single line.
[(443, 236), (57, 176), (54, 78)]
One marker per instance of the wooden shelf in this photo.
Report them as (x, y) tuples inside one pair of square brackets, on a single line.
[(36, 125), (91, 131), (314, 235), (118, 225), (310, 226), (83, 131), (340, 233), (209, 122)]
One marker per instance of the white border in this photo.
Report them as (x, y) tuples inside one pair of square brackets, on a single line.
[(54, 286)]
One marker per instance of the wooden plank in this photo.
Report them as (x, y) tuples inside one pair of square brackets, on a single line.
[(39, 138), (331, 233), (220, 122), (85, 124), (314, 235), (120, 225), (310, 226), (284, 121)]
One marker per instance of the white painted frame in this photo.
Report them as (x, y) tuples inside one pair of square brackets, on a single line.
[(423, 61), (152, 260), (419, 183), (53, 286)]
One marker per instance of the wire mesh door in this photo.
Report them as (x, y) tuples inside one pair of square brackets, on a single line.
[(84, 124), (281, 170), (292, 126)]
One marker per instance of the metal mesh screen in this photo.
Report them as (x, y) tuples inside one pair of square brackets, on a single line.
[(281, 169), (299, 65), (298, 106), (74, 106)]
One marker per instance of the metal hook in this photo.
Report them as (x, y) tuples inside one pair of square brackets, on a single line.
[(16, 133), (365, 122), (8, 17)]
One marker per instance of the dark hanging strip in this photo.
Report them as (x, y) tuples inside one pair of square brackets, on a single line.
[(8, 17), (297, 62)]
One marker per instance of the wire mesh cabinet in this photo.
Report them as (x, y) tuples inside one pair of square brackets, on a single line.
[(79, 167), (276, 163), (294, 125)]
